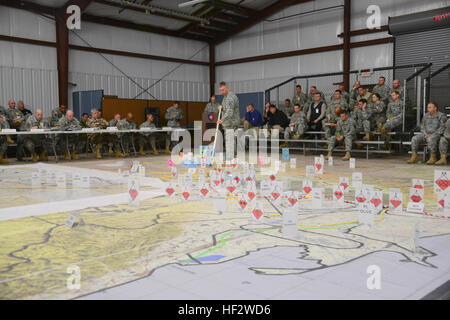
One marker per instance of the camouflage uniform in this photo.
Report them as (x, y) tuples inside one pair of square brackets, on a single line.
[(443, 142), (346, 96), (173, 123), (300, 126), (98, 138), (342, 103), (14, 115), (379, 113), (2, 111), (300, 99), (32, 142), (432, 125), (384, 92), (211, 108), (366, 96), (56, 115), (362, 119), (400, 92), (148, 137), (311, 100), (346, 129), (288, 111), (3, 143), (394, 115), (231, 120), (74, 125), (330, 117), (126, 138)]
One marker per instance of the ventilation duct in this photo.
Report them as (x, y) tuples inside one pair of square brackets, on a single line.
[(422, 21)]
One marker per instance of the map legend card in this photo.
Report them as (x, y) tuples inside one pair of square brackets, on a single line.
[(395, 201)]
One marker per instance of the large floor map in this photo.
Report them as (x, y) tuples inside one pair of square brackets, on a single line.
[(171, 248)]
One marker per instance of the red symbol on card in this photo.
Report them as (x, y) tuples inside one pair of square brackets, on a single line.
[(443, 184), (257, 213), (418, 186), (275, 195), (319, 166), (307, 189), (216, 182), (237, 179), (338, 194), (376, 202), (186, 195), (361, 199), (234, 165), (251, 195), (396, 203), (204, 191), (133, 194), (222, 180), (231, 188), (228, 172), (170, 191), (293, 201), (174, 173), (416, 198), (345, 185), (272, 177), (248, 179), (243, 203), (219, 170), (441, 202)]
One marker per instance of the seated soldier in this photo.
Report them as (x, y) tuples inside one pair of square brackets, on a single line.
[(363, 94), (127, 139), (344, 93), (57, 114), (330, 121), (83, 120), (378, 112), (277, 119), (148, 137), (70, 123), (337, 100), (212, 106), (14, 115), (297, 126), (316, 112), (252, 119), (287, 108), (431, 129), (35, 142), (113, 122), (362, 120), (345, 131), (299, 98), (311, 98), (443, 145), (354, 93), (3, 142), (394, 115), (98, 139), (382, 89)]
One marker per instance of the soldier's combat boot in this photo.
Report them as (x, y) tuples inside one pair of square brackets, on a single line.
[(347, 156), (73, 155), (284, 145), (296, 136), (9, 140), (110, 150), (119, 154), (443, 160), (34, 157), (383, 131), (141, 150), (154, 151), (3, 161), (329, 154), (66, 156), (167, 151), (359, 145), (43, 156), (97, 151), (432, 159), (366, 137), (414, 158), (380, 127)]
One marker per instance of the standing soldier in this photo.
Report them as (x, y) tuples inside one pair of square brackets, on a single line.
[(34, 142), (443, 145), (3, 142), (230, 116), (345, 131), (299, 98), (70, 123), (173, 116), (382, 89), (57, 114), (394, 115), (212, 106), (363, 118), (379, 112), (297, 126), (148, 137), (431, 129)]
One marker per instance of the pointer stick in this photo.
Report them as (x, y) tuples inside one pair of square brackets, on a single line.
[(217, 129)]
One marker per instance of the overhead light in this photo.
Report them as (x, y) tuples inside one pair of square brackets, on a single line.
[(190, 3)]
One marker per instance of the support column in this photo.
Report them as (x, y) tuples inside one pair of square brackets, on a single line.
[(346, 37), (212, 68), (62, 54)]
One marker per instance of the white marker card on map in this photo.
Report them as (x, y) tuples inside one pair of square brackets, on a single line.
[(318, 165), (276, 192), (170, 189), (126, 173), (317, 197), (357, 179), (220, 203), (441, 200), (441, 181), (307, 186), (395, 201), (242, 201), (366, 215), (289, 227), (187, 180), (338, 194), (51, 178), (257, 212), (119, 172), (377, 200), (191, 171), (133, 191), (293, 163), (236, 179), (310, 171), (368, 189), (418, 183), (415, 201), (447, 204), (134, 167), (61, 180), (173, 172), (42, 172), (352, 163), (344, 183), (204, 190), (35, 179), (265, 187), (85, 181), (360, 197), (330, 161), (70, 221)]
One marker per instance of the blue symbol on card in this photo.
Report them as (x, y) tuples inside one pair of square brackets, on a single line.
[(285, 154)]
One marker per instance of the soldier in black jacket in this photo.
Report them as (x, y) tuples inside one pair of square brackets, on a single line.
[(277, 119)]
